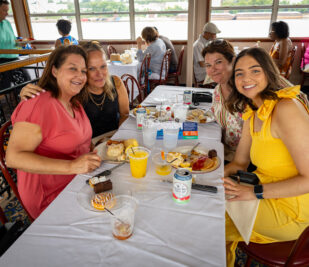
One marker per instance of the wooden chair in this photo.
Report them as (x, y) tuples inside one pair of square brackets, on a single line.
[(111, 50), (175, 75), (287, 254), (291, 56), (144, 74), (9, 174), (201, 84), (131, 83), (305, 75), (163, 72)]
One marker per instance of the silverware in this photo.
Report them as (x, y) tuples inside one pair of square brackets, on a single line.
[(114, 216), (107, 172), (190, 153)]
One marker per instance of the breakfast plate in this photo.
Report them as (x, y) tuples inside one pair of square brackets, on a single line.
[(149, 110), (201, 159), (200, 116)]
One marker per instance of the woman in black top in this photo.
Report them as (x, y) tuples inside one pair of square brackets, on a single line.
[(105, 101)]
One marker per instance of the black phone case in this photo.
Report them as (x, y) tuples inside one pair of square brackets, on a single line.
[(245, 177)]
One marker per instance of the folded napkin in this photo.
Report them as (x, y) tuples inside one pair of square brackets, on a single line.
[(243, 214)]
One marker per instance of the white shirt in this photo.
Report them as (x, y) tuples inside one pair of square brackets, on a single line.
[(198, 46)]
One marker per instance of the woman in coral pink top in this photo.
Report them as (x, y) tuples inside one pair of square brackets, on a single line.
[(51, 136)]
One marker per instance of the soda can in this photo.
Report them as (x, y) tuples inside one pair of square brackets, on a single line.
[(140, 115), (182, 183), (187, 97)]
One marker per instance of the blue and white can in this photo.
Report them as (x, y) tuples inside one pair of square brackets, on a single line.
[(182, 183), (187, 97), (140, 115)]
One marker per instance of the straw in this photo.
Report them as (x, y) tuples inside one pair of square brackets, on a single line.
[(132, 150), (114, 215)]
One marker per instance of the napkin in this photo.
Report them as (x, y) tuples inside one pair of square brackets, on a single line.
[(243, 214)]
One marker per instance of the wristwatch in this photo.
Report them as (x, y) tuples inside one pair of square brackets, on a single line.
[(258, 191)]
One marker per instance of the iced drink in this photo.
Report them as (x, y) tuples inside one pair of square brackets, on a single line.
[(138, 161)]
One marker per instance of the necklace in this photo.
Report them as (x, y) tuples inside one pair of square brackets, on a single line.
[(99, 105)]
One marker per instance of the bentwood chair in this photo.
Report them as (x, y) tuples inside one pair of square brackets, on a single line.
[(165, 65), (305, 75), (144, 74), (175, 75), (287, 254), (9, 174), (131, 83), (292, 57), (111, 50)]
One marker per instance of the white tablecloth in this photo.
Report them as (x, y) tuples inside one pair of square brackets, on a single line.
[(118, 69), (165, 234)]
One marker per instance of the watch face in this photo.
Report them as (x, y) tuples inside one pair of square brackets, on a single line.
[(258, 189)]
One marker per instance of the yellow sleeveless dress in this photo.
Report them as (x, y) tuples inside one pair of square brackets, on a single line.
[(281, 219)]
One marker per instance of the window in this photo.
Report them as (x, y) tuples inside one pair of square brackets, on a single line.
[(111, 20), (247, 19)]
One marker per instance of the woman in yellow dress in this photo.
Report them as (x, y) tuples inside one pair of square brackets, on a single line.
[(274, 137)]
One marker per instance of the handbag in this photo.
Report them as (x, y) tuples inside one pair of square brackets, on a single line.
[(245, 177)]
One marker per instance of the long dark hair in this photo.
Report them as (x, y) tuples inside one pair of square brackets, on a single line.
[(238, 102), (57, 58)]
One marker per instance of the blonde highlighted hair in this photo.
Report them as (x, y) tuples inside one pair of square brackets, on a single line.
[(108, 88)]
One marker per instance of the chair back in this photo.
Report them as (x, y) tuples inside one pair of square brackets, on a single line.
[(131, 83), (299, 254), (111, 50), (165, 65), (9, 174), (143, 73), (291, 56), (180, 58)]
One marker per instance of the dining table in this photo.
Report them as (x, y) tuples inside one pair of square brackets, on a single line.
[(70, 233)]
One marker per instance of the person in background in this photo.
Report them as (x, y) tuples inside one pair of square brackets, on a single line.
[(64, 29), (305, 61), (155, 47), (169, 45), (274, 138), (105, 99), (51, 136), (280, 50), (219, 57), (8, 41), (209, 33)]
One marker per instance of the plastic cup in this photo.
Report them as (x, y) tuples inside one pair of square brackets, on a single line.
[(170, 135), (149, 132), (180, 111), (163, 168), (138, 161), (123, 207)]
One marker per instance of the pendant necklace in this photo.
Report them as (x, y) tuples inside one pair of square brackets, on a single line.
[(99, 105)]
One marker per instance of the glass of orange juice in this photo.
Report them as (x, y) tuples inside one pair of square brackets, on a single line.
[(138, 157), (162, 166)]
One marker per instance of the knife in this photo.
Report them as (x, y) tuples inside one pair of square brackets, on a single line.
[(201, 187), (106, 172)]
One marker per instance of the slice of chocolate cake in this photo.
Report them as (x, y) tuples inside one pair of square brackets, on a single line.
[(101, 184)]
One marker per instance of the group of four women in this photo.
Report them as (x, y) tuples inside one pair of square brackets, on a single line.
[(52, 135)]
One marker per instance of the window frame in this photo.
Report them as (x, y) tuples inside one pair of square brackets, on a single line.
[(78, 14)]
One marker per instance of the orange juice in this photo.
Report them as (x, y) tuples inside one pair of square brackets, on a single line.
[(138, 161), (163, 169)]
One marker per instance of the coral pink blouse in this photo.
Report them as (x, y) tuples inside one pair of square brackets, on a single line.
[(63, 137)]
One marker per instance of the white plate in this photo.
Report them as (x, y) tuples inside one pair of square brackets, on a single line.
[(209, 117), (84, 197), (200, 149), (102, 149), (152, 110)]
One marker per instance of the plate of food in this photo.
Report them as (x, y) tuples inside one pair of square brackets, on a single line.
[(149, 110), (115, 151), (89, 200), (200, 116), (201, 160)]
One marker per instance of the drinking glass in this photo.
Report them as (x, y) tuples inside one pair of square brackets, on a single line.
[(180, 111), (123, 207), (170, 135), (149, 132), (138, 157), (162, 166)]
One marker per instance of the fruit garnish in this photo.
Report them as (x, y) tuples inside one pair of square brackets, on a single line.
[(162, 155), (199, 163)]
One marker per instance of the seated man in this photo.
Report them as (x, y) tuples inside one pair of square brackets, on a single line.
[(210, 31)]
